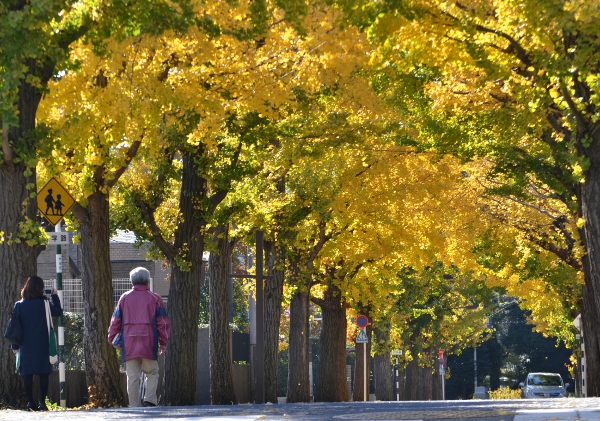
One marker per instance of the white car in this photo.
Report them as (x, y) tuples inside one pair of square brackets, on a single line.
[(544, 385)]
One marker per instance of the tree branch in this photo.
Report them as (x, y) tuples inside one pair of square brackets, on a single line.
[(80, 213), (323, 238), (514, 46), (559, 128), (220, 194), (165, 247), (529, 205), (71, 37), (542, 240), (131, 152), (581, 123), (318, 301)]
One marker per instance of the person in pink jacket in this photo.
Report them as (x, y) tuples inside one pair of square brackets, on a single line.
[(140, 328)]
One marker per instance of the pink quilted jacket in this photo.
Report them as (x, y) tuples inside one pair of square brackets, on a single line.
[(139, 324)]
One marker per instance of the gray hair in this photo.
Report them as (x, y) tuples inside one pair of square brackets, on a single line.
[(139, 276)]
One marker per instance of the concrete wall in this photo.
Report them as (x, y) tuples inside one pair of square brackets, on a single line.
[(241, 372), (241, 383), (203, 369), (76, 387), (46, 262)]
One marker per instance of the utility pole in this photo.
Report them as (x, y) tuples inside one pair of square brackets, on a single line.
[(260, 317)]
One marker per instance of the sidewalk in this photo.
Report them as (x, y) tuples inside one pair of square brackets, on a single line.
[(558, 415), (472, 410)]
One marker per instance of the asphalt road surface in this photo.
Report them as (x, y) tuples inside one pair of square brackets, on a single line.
[(583, 409)]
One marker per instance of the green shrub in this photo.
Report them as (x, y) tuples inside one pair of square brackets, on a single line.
[(73, 356)]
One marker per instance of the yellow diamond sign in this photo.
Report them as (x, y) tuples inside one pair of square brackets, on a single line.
[(54, 201)]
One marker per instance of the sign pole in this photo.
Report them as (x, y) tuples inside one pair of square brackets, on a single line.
[(442, 372), (53, 203), (365, 361), (61, 328), (442, 379), (397, 381), (475, 369), (259, 330), (362, 322)]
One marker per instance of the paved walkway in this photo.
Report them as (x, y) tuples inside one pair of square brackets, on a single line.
[(472, 410)]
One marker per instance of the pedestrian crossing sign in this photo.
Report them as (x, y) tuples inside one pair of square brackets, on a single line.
[(54, 201), (362, 337)]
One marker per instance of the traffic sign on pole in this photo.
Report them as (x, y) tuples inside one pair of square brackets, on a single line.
[(362, 321), (54, 201), (362, 337)]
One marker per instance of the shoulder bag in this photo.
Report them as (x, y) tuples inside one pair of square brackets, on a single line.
[(51, 336)]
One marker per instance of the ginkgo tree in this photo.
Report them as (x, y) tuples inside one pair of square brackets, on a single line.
[(396, 205), (36, 38), (401, 209), (363, 215), (175, 101), (516, 83)]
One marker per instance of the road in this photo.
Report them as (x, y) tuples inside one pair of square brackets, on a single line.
[(472, 410)]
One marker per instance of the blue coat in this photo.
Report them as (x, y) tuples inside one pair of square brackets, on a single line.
[(35, 343)]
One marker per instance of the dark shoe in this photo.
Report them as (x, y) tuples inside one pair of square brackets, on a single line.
[(146, 403), (32, 406), (43, 407)]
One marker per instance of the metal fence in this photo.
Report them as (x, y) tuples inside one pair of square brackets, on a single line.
[(72, 299)]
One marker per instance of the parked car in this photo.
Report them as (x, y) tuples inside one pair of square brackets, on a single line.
[(543, 385)]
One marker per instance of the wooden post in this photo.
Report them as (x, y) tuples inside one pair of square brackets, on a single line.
[(366, 371)]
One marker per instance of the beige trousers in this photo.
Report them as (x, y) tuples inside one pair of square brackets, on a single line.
[(134, 368)]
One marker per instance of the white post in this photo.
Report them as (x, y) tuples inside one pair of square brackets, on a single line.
[(61, 329), (443, 388), (475, 369), (310, 379), (397, 381)]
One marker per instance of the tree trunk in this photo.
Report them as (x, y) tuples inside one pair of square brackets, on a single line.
[(331, 377), (221, 364), (298, 387), (591, 333), (184, 292), (402, 385), (435, 380), (102, 366), (358, 392), (589, 202), (273, 292), (17, 260), (413, 380), (383, 367), (427, 382)]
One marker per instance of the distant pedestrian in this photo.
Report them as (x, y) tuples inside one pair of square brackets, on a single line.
[(33, 350), (141, 329)]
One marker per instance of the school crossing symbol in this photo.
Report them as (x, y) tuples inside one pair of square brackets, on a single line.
[(54, 201)]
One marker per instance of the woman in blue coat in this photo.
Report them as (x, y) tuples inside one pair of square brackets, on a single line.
[(31, 311)]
